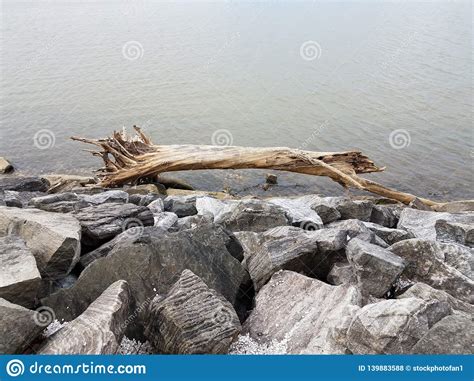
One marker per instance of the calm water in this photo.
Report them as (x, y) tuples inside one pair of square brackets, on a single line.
[(320, 76)]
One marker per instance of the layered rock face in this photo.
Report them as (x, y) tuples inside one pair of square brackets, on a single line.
[(88, 270)]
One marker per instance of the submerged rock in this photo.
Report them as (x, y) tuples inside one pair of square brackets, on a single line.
[(20, 279), (54, 239), (309, 316), (99, 330), (191, 319)]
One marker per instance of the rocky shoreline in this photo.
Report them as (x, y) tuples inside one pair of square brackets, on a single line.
[(146, 269)]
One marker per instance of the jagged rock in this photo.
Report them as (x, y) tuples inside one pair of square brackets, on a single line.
[(299, 212), (393, 326), (376, 268), (447, 231), (152, 261), (191, 319), (17, 199), (190, 222), (341, 273), (390, 236), (59, 202), (385, 215), (308, 315), (252, 215), (103, 222), (5, 166), (156, 206), (144, 199), (422, 223), (23, 184), (165, 220), (330, 240), (352, 209), (354, 228), (427, 293), (426, 262), (99, 329), (54, 239), (18, 327), (324, 208), (20, 279), (182, 206), (451, 335), (455, 206), (112, 196), (270, 178), (88, 190)]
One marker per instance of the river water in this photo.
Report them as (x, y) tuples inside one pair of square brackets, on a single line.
[(393, 79)]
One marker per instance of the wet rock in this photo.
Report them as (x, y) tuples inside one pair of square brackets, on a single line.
[(422, 223), (5, 166), (54, 239), (451, 335), (182, 206), (20, 279), (191, 319), (392, 326), (426, 263), (18, 327), (59, 202), (23, 184), (341, 273), (165, 220), (152, 261), (427, 293), (376, 268), (299, 212), (390, 236), (308, 315), (103, 222), (385, 215), (99, 329), (447, 231)]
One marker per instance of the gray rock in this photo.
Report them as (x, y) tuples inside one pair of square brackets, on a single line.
[(325, 209), (68, 183), (385, 215), (103, 222), (447, 231), (182, 206), (392, 326), (376, 268), (20, 279), (54, 239), (151, 263), (58, 202), (156, 206), (23, 184), (427, 293), (111, 196), (144, 200), (341, 273), (191, 319), (456, 206), (416, 203), (299, 212), (17, 199), (165, 220), (352, 209), (354, 228), (422, 223), (97, 331), (307, 315), (18, 327), (390, 236), (451, 335), (426, 263), (190, 222), (5, 166)]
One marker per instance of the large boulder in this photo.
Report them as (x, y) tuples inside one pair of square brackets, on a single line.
[(58, 202), (17, 199), (352, 209), (97, 331), (385, 215), (393, 326), (152, 261), (20, 279), (307, 315), (376, 268), (428, 263), (19, 327), (54, 239), (299, 212), (23, 184), (191, 319), (449, 231), (325, 209), (451, 335), (422, 223), (103, 222)]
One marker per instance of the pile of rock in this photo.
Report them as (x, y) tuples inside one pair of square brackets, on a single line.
[(92, 270)]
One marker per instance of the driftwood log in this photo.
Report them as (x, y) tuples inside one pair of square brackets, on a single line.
[(128, 159)]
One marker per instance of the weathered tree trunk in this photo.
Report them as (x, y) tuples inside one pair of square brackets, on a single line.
[(137, 157)]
